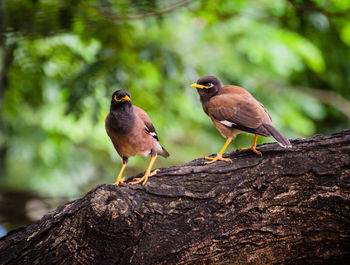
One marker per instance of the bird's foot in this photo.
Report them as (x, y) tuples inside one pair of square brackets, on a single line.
[(119, 181), (214, 159), (145, 177), (154, 172), (138, 180), (253, 149)]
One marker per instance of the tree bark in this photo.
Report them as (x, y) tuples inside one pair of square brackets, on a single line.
[(290, 206)]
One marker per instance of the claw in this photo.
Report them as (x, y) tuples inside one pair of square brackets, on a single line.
[(145, 177), (154, 172), (219, 155), (138, 180), (253, 146), (119, 181), (253, 149), (214, 159)]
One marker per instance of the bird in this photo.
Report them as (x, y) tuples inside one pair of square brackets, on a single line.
[(234, 110), (132, 133)]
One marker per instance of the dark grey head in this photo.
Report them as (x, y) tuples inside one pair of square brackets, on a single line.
[(121, 117), (120, 99), (208, 86)]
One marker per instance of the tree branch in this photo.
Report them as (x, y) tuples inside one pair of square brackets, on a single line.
[(114, 16), (290, 206), (329, 97)]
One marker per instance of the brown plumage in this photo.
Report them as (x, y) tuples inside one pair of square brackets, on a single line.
[(132, 133), (234, 110)]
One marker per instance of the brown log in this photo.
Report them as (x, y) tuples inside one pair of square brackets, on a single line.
[(290, 206)]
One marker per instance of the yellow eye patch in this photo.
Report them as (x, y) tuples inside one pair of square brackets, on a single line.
[(125, 98)]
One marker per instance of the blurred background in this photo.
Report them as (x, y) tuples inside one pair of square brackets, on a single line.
[(61, 60)]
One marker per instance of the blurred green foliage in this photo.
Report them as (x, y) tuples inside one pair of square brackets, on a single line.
[(61, 60)]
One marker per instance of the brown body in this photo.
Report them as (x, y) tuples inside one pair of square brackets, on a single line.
[(234, 110), (234, 103), (132, 133), (137, 141)]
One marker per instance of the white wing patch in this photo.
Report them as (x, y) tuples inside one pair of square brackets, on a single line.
[(153, 134), (227, 123)]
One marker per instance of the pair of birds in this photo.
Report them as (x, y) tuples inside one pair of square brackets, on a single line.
[(232, 109)]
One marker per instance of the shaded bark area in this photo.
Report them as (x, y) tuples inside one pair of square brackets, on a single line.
[(290, 206)]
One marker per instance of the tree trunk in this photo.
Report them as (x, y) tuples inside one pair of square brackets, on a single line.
[(290, 206)]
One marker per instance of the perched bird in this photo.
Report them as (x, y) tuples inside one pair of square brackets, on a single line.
[(132, 133), (234, 110)]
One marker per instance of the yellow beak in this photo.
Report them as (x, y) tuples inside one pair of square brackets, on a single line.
[(125, 98), (198, 86)]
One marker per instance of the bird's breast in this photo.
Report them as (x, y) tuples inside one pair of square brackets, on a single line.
[(136, 142), (121, 122)]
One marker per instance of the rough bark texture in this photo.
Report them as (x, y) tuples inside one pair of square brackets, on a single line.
[(290, 206)]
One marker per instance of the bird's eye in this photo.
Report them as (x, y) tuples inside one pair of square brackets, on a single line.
[(209, 84)]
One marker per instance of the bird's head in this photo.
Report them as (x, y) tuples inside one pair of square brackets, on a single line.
[(120, 98), (208, 86)]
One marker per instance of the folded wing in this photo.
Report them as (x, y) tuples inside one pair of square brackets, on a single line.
[(149, 128), (241, 112)]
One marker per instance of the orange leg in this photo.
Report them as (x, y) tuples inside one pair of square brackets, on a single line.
[(147, 173), (219, 155), (120, 180), (253, 146)]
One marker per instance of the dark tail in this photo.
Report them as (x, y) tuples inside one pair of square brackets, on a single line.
[(281, 140), (164, 153)]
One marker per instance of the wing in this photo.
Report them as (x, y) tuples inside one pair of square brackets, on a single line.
[(149, 128), (240, 111)]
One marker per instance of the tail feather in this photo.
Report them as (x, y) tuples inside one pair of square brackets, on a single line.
[(160, 150), (164, 152), (281, 140)]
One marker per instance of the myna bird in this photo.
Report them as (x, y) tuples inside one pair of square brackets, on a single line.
[(234, 110), (132, 133)]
